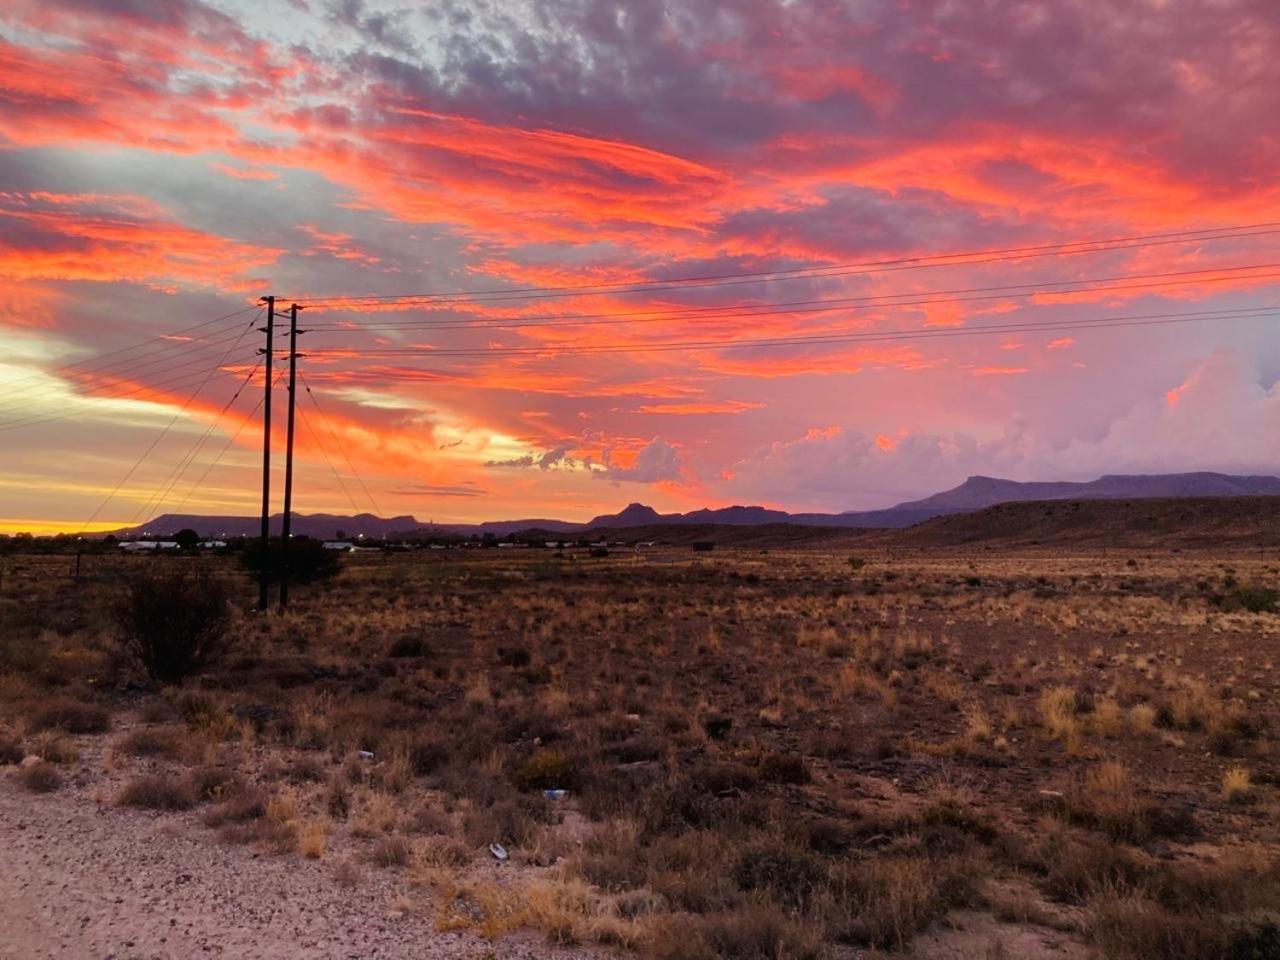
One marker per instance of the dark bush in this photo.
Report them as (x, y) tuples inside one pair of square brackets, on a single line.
[(1258, 940), (173, 622), (547, 770), (309, 561), (722, 779), (242, 806), (40, 777), (305, 770), (148, 742), (391, 851), (213, 783), (791, 876), (427, 754), (517, 655), (407, 645), (71, 716), (717, 727), (828, 836), (753, 934), (636, 749), (1255, 599), (10, 751), (157, 792), (784, 768)]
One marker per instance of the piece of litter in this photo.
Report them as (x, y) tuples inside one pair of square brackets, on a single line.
[(499, 851), (555, 794), (364, 754)]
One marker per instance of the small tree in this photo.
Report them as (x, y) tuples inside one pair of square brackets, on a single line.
[(173, 622), (309, 561), (187, 539)]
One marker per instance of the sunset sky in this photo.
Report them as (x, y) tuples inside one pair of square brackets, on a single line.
[(164, 164)]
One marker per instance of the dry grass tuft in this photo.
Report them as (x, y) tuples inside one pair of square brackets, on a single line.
[(1058, 711), (41, 777), (312, 838), (71, 716), (392, 851), (1236, 784), (157, 792), (1111, 799), (152, 742)]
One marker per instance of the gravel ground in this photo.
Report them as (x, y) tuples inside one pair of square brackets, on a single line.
[(79, 879)]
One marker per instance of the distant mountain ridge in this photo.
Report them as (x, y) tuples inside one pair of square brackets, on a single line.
[(976, 493)]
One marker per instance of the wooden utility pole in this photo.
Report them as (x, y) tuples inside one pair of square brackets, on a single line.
[(266, 456), (288, 457)]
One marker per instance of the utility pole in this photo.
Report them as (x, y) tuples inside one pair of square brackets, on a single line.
[(288, 456), (266, 457)]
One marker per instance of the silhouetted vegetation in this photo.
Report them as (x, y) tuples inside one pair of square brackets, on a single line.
[(309, 561), (173, 622)]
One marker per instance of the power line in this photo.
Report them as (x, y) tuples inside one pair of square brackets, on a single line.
[(177, 382), (729, 312), (814, 339), (325, 453), (225, 447), (126, 369), (341, 449), (971, 257), (129, 349), (163, 433), (181, 467)]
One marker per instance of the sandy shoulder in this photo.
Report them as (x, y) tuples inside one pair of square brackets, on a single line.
[(84, 880)]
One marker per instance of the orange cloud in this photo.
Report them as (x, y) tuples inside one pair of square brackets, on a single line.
[(999, 371), (829, 361), (695, 408), (115, 238)]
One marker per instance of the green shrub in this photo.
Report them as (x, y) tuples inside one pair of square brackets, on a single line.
[(1256, 599)]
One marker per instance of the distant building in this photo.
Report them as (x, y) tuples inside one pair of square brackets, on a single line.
[(139, 546), (346, 546)]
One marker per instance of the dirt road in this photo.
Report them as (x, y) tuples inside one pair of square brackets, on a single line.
[(84, 880)]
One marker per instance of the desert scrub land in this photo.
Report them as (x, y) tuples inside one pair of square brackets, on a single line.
[(744, 754)]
